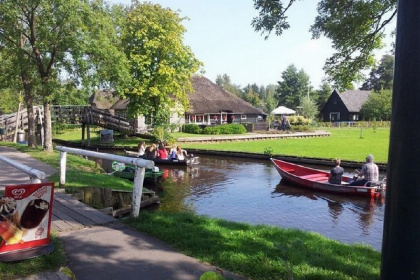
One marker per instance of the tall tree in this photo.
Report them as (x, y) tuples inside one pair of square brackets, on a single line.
[(161, 65), (293, 87), (52, 36), (356, 29), (225, 82), (381, 78)]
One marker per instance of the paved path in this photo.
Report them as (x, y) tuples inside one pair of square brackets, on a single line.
[(103, 248)]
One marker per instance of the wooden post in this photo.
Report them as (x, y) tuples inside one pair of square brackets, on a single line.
[(63, 161), (401, 239), (17, 124), (88, 134), (137, 191), (83, 133)]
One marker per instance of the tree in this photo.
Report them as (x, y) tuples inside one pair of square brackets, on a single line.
[(293, 87), (323, 94), (51, 37), (381, 78), (378, 106), (225, 82), (161, 65), (309, 109), (356, 29)]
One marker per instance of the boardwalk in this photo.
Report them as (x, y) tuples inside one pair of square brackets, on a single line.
[(70, 214)]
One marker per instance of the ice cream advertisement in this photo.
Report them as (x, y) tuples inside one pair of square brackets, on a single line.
[(25, 216)]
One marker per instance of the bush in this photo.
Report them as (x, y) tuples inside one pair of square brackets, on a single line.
[(211, 130), (192, 128), (300, 128)]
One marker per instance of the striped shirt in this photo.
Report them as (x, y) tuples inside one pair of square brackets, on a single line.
[(371, 172)]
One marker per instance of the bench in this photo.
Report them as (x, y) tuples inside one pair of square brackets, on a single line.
[(312, 176)]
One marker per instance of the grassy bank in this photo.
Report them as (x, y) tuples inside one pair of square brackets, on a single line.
[(345, 143), (351, 144), (260, 252)]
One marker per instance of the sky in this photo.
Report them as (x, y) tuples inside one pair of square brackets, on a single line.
[(220, 34)]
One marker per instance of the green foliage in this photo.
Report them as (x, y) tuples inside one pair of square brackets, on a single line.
[(268, 151), (225, 82), (162, 135), (161, 65), (378, 106), (381, 77), (356, 29), (225, 129), (299, 120), (309, 109), (192, 128), (293, 87)]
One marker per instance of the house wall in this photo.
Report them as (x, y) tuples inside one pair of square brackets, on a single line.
[(334, 109)]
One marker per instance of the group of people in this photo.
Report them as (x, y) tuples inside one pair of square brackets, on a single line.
[(368, 173), (159, 151), (283, 125)]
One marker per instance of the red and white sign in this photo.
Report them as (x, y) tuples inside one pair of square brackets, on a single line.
[(25, 216)]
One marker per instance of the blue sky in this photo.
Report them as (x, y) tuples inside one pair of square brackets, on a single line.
[(220, 34)]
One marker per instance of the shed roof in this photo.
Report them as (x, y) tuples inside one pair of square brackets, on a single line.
[(209, 97), (354, 99)]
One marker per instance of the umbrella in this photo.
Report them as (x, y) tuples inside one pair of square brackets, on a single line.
[(283, 111)]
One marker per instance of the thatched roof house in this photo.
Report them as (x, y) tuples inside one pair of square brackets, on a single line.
[(345, 106), (103, 99), (211, 104)]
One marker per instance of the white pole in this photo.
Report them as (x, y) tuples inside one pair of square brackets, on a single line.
[(63, 160), (137, 191), (35, 175)]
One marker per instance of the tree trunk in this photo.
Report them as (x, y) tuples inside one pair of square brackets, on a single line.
[(47, 128), (29, 102)]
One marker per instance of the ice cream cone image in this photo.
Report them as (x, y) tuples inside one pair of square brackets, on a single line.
[(10, 233)]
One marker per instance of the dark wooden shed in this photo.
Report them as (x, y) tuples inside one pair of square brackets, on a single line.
[(344, 106)]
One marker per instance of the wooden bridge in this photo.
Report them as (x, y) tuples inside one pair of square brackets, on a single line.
[(12, 125)]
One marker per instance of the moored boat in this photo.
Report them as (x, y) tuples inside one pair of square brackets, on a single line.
[(129, 171), (190, 160), (318, 180)]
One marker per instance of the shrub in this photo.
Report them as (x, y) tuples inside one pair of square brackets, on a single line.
[(192, 128), (211, 130)]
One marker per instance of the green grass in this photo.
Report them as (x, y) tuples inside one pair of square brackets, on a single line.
[(344, 143), (260, 252), (50, 262), (80, 171)]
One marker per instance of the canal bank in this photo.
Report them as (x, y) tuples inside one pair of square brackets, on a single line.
[(293, 159)]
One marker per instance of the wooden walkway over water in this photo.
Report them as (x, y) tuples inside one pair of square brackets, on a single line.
[(70, 214)]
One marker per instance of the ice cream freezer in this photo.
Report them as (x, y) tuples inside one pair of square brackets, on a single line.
[(25, 221)]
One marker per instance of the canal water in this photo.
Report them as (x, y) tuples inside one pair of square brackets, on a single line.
[(251, 191)]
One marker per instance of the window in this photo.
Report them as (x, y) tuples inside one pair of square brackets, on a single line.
[(243, 117)]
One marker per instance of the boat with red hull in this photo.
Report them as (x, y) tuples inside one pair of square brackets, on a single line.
[(318, 180)]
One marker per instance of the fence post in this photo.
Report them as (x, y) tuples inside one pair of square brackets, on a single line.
[(63, 162), (137, 191)]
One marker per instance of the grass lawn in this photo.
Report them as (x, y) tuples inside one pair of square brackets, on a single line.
[(260, 252), (345, 143)]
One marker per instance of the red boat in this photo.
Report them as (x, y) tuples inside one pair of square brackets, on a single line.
[(318, 180)]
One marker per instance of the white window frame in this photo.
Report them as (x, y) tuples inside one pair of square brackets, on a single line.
[(243, 117)]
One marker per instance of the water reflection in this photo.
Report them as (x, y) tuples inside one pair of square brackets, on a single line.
[(251, 191)]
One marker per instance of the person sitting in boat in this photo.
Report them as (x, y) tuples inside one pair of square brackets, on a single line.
[(142, 149), (180, 153), (336, 173), (369, 172), (150, 152), (172, 152), (162, 153)]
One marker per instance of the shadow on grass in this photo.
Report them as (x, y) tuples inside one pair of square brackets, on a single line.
[(260, 252)]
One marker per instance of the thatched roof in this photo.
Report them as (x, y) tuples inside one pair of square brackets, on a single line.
[(208, 97), (354, 99), (121, 104), (103, 99)]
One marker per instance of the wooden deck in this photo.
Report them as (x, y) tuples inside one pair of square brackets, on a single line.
[(70, 214)]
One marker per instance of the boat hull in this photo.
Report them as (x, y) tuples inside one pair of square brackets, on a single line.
[(317, 180)]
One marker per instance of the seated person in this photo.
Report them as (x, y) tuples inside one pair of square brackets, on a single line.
[(161, 152), (336, 173), (150, 152), (369, 172), (180, 153)]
